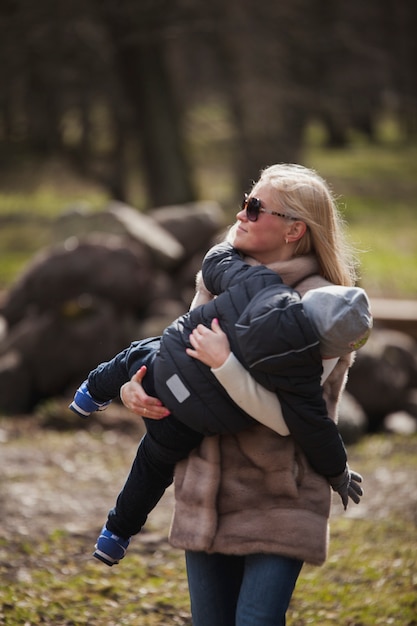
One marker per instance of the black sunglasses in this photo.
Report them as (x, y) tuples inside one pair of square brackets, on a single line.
[(253, 206)]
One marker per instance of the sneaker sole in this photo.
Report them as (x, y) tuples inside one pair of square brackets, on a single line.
[(105, 558)]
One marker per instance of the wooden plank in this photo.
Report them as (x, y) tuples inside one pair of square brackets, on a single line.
[(395, 314)]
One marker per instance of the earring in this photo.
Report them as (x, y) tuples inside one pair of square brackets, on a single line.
[(286, 240)]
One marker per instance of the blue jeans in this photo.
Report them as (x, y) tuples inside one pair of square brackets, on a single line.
[(252, 590)]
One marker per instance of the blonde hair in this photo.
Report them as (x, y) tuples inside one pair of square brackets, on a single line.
[(303, 194)]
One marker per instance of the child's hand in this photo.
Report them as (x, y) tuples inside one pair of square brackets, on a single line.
[(135, 398), (210, 346), (347, 486)]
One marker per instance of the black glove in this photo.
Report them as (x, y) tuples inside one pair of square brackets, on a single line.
[(346, 485)]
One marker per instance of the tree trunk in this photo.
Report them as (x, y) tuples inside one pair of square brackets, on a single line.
[(141, 61)]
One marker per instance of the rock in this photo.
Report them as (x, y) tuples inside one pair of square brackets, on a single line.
[(81, 301), (106, 266), (47, 354), (15, 384), (401, 423), (384, 371), (194, 225), (353, 423), (121, 219), (410, 403)]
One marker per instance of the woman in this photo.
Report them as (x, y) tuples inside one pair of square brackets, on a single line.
[(249, 509)]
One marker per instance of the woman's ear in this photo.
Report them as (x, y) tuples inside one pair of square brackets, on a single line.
[(296, 231)]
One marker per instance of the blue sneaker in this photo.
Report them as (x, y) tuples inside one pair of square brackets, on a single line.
[(84, 403), (110, 548)]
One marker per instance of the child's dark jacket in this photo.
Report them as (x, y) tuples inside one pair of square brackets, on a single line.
[(271, 336)]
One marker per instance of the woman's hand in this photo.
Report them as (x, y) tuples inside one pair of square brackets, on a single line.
[(135, 398), (210, 346)]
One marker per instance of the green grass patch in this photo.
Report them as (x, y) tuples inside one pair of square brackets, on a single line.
[(386, 239), (370, 576), (376, 186), (47, 202), (387, 165), (56, 581), (368, 579)]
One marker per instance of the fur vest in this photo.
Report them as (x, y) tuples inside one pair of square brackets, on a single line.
[(254, 491)]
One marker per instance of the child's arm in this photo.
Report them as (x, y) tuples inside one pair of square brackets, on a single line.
[(255, 400), (211, 346)]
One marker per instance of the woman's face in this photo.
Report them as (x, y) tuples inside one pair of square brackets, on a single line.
[(264, 240)]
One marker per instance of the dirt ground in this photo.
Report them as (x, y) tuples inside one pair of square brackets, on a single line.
[(68, 479), (54, 479)]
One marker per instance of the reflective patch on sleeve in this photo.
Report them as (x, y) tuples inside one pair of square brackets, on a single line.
[(177, 388)]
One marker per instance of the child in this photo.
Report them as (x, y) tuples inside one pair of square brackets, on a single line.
[(277, 336)]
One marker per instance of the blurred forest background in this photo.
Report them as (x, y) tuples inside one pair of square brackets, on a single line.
[(164, 102)]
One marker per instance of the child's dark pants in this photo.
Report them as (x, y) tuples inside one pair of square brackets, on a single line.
[(166, 442)]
